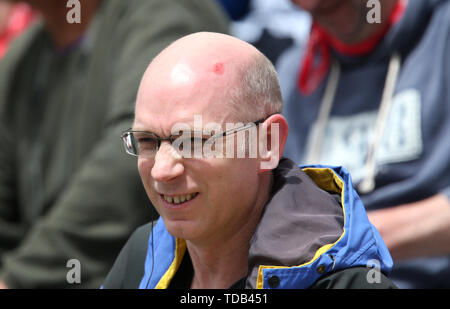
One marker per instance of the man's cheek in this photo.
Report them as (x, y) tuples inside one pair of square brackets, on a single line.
[(144, 169)]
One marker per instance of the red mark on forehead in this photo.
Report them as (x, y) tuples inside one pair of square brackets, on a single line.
[(219, 68)]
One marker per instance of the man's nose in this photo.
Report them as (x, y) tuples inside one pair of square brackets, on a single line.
[(168, 164)]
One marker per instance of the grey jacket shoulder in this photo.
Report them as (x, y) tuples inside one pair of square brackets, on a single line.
[(128, 268)]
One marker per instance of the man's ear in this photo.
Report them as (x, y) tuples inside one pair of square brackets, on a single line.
[(273, 134)]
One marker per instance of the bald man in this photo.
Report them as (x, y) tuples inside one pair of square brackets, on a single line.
[(226, 219)]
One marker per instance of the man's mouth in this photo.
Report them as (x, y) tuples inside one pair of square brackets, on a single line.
[(178, 199)]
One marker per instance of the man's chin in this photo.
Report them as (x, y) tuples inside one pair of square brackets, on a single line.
[(184, 229)]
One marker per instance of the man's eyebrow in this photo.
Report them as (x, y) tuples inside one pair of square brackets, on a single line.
[(135, 127), (139, 129)]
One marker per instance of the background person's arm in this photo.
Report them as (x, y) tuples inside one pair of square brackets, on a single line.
[(419, 229)]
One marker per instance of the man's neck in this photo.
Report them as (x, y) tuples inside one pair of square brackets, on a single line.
[(61, 31), (220, 267), (223, 261)]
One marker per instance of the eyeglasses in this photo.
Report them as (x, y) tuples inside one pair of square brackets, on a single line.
[(147, 144)]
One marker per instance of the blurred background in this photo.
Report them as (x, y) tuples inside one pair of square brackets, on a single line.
[(67, 91)]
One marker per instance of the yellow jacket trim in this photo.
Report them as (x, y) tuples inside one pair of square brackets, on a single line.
[(180, 249)]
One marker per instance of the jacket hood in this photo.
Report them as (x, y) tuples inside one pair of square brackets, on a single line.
[(313, 224)]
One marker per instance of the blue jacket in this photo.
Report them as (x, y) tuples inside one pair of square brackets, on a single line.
[(313, 225)]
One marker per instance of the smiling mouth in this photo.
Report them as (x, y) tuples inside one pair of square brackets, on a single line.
[(178, 199)]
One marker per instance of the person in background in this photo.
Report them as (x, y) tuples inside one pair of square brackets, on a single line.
[(370, 92), (14, 19), (69, 197)]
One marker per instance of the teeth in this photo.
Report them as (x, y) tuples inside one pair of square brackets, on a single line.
[(179, 199)]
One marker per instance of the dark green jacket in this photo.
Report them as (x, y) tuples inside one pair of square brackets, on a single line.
[(67, 188)]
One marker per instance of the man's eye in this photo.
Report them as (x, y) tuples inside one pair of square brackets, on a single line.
[(145, 139), (147, 142)]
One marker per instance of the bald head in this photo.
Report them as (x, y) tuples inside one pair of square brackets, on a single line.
[(203, 51), (213, 69)]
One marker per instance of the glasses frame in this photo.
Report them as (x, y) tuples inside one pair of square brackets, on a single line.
[(172, 138)]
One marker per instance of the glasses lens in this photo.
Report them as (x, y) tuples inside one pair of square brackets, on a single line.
[(140, 144), (145, 143), (128, 143)]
